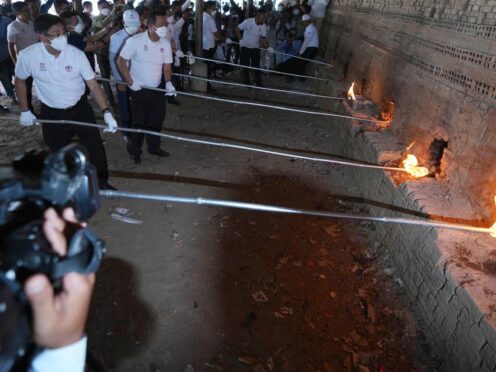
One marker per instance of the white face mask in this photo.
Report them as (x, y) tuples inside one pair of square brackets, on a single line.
[(296, 12), (214, 12), (105, 12), (79, 27), (131, 30), (161, 31), (171, 20), (59, 43)]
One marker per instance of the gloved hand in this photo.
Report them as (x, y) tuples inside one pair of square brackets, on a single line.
[(270, 50), (171, 91), (179, 54), (110, 121), (229, 41), (27, 118), (135, 86)]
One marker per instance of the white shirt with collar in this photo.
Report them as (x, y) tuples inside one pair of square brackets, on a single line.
[(311, 38), (22, 34), (146, 58), (59, 81), (209, 28), (252, 33)]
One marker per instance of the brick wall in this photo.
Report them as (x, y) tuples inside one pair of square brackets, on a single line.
[(437, 61)]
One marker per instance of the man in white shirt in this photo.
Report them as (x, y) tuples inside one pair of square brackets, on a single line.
[(318, 12), (132, 23), (20, 35), (210, 34), (149, 56), (60, 72), (254, 37)]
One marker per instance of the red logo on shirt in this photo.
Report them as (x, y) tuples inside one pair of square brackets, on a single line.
[(68, 68), (42, 66)]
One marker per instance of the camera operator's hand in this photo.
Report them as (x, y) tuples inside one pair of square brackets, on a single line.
[(59, 320)]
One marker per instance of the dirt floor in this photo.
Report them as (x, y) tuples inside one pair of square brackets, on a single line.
[(197, 288)]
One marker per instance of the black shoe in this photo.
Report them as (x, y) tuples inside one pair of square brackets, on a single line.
[(160, 153), (173, 101), (136, 158), (107, 186)]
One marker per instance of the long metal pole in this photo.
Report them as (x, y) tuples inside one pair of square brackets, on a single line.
[(285, 210)]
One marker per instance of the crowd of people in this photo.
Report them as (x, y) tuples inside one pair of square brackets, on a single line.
[(142, 45)]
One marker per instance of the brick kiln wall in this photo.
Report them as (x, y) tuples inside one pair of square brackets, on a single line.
[(437, 61)]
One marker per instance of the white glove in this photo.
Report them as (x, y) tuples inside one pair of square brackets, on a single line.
[(110, 121), (135, 86), (270, 50), (179, 54), (229, 41), (27, 118), (171, 91)]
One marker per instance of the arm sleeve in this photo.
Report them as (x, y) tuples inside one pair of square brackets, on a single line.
[(44, 8), (179, 24), (306, 40), (86, 71), (242, 25), (168, 54), (128, 50), (185, 5), (11, 33), (67, 358), (22, 68)]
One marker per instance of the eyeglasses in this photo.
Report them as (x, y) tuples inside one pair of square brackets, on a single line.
[(55, 36)]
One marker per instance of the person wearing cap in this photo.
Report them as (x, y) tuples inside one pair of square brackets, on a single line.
[(131, 23), (20, 35), (149, 55), (254, 37), (310, 46), (60, 72)]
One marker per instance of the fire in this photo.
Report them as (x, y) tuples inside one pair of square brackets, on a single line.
[(411, 166), (351, 94)]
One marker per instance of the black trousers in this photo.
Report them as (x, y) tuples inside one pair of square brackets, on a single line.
[(250, 57), (296, 65), (57, 136), (233, 49), (210, 54), (147, 112)]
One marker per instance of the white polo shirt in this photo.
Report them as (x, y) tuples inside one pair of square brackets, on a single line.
[(252, 33), (59, 81), (22, 34), (209, 28), (147, 58), (311, 38)]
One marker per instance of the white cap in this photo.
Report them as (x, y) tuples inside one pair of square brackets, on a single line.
[(306, 17), (131, 18)]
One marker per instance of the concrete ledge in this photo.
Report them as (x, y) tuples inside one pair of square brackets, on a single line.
[(449, 275)]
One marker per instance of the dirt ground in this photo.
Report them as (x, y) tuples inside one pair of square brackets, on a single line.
[(197, 288)]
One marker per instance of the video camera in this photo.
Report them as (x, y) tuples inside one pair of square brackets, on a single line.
[(33, 183)]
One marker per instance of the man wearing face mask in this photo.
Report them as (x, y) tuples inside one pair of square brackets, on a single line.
[(75, 26), (131, 22), (143, 60), (254, 37), (210, 33), (60, 72)]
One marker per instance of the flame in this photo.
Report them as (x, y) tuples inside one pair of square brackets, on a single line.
[(351, 94), (411, 166)]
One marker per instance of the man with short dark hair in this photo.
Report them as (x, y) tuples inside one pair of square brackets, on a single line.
[(61, 6), (88, 7), (20, 35), (150, 57), (210, 34), (6, 9), (254, 37), (60, 72)]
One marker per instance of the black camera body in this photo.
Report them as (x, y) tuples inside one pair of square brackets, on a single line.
[(34, 182)]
